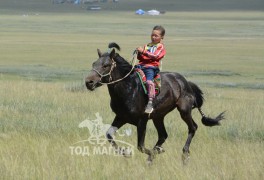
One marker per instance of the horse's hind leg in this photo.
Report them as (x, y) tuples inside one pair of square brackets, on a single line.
[(185, 109), (192, 127), (159, 124)]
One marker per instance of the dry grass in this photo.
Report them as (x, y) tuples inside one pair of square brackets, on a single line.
[(43, 99), (39, 123)]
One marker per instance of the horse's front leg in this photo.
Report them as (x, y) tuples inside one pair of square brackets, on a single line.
[(117, 123), (110, 133), (141, 130)]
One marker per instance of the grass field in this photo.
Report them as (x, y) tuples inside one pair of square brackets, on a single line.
[(45, 56)]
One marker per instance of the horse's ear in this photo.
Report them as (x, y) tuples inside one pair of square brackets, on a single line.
[(99, 52), (112, 53)]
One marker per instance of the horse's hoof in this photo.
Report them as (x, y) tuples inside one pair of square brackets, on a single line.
[(126, 152), (158, 149), (185, 158)]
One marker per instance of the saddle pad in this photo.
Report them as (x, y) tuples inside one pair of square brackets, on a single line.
[(142, 77)]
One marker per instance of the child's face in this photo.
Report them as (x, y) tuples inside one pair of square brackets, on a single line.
[(156, 36)]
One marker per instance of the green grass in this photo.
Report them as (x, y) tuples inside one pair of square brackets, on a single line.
[(37, 6), (44, 59)]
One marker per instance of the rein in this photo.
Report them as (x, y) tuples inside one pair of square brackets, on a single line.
[(113, 65)]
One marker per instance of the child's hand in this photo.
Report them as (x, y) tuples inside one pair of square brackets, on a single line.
[(140, 49)]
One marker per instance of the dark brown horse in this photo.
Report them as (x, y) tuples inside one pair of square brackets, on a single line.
[(128, 100)]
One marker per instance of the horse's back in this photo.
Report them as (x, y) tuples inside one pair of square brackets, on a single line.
[(175, 83), (173, 77)]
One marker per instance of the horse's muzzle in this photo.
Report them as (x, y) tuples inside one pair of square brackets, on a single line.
[(92, 82), (90, 85)]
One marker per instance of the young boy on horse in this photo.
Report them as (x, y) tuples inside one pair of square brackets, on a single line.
[(149, 61)]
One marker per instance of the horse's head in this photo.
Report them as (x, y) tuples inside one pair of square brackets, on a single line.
[(109, 68), (101, 70)]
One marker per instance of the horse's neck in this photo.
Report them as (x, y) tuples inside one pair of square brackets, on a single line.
[(127, 96), (125, 87)]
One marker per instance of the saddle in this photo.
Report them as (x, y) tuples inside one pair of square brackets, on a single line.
[(143, 80)]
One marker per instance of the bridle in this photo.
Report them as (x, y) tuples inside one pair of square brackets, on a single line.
[(113, 65)]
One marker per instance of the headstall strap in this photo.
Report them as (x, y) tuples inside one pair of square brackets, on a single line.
[(113, 65)]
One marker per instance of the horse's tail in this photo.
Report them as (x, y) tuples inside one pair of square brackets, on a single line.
[(114, 45), (199, 99)]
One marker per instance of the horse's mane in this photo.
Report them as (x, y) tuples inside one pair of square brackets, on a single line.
[(114, 45), (123, 65)]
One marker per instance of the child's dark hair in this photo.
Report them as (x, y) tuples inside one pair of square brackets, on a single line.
[(160, 28)]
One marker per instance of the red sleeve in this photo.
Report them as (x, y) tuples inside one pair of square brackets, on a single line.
[(142, 56), (157, 55)]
